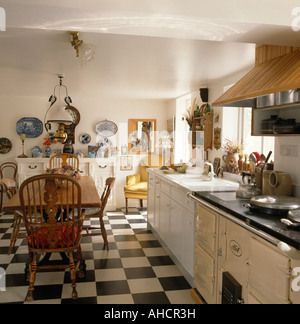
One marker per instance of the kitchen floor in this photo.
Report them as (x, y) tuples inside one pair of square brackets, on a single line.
[(136, 270)]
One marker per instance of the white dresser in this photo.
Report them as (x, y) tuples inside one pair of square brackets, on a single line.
[(99, 169)]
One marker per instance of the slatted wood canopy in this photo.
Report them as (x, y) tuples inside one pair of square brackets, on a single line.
[(277, 69)]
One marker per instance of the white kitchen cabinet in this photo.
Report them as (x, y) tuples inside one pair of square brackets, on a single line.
[(151, 204), (100, 170), (171, 216), (164, 219)]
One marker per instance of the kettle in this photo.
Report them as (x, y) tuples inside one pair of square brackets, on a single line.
[(248, 191)]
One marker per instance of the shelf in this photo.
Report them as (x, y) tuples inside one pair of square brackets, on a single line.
[(284, 112)]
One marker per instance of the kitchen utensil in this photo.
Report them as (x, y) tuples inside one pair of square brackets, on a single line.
[(253, 162), (273, 205), (263, 165)]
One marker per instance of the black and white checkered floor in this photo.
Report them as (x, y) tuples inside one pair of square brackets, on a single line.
[(136, 270)]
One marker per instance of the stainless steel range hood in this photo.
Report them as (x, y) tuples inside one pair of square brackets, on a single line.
[(274, 81)]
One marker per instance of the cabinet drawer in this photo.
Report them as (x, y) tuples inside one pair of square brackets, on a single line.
[(31, 168), (84, 169), (151, 179), (166, 188)]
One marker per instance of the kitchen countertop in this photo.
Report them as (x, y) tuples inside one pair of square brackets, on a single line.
[(271, 225), (194, 182)]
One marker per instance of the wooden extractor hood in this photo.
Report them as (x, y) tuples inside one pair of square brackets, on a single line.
[(277, 69)]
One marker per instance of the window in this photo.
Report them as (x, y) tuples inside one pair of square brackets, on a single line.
[(237, 124), (182, 148)]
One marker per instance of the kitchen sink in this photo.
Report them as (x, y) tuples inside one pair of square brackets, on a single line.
[(206, 181)]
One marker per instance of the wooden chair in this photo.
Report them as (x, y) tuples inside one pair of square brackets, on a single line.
[(100, 213), (59, 160), (8, 184), (51, 207)]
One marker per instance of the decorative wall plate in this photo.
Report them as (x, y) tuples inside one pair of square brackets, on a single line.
[(85, 139), (106, 128), (31, 127), (5, 145), (36, 152)]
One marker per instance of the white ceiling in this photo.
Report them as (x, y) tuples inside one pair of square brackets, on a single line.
[(144, 49)]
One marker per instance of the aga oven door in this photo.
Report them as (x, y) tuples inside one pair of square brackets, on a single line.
[(269, 274)]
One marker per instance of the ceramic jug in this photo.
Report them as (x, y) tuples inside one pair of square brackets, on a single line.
[(281, 182), (276, 183)]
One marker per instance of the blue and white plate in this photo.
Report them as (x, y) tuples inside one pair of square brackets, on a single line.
[(31, 127), (85, 139), (106, 128), (36, 152)]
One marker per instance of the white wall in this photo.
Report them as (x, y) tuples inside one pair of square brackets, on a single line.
[(92, 110)]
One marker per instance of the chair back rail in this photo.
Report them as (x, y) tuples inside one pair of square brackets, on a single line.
[(5, 167), (59, 160)]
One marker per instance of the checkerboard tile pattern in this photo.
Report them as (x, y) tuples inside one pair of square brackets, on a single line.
[(136, 270)]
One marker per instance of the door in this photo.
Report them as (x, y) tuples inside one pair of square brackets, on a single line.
[(151, 204), (205, 275), (269, 274)]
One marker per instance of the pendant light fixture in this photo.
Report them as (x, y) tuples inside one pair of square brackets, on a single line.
[(85, 52), (56, 116)]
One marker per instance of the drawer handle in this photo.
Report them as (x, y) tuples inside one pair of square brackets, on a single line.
[(102, 167), (32, 168)]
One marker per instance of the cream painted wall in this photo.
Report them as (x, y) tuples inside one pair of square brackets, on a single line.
[(93, 110)]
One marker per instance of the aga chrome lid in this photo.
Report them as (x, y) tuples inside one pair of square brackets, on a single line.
[(276, 202), (294, 215)]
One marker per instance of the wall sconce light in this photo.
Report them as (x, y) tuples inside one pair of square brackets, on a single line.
[(56, 116), (85, 52)]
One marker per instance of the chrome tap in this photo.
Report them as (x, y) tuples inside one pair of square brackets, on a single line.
[(212, 172)]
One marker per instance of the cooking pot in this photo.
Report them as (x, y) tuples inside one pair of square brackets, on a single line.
[(273, 205)]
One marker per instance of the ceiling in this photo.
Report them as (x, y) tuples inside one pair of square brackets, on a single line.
[(157, 49)]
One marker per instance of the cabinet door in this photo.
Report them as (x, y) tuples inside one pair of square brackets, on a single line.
[(189, 241), (176, 234), (269, 274), (164, 217), (151, 205), (205, 275), (157, 210), (207, 230)]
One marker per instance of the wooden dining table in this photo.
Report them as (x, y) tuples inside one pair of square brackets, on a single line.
[(89, 196)]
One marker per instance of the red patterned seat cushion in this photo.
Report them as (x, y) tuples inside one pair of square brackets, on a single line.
[(63, 236)]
